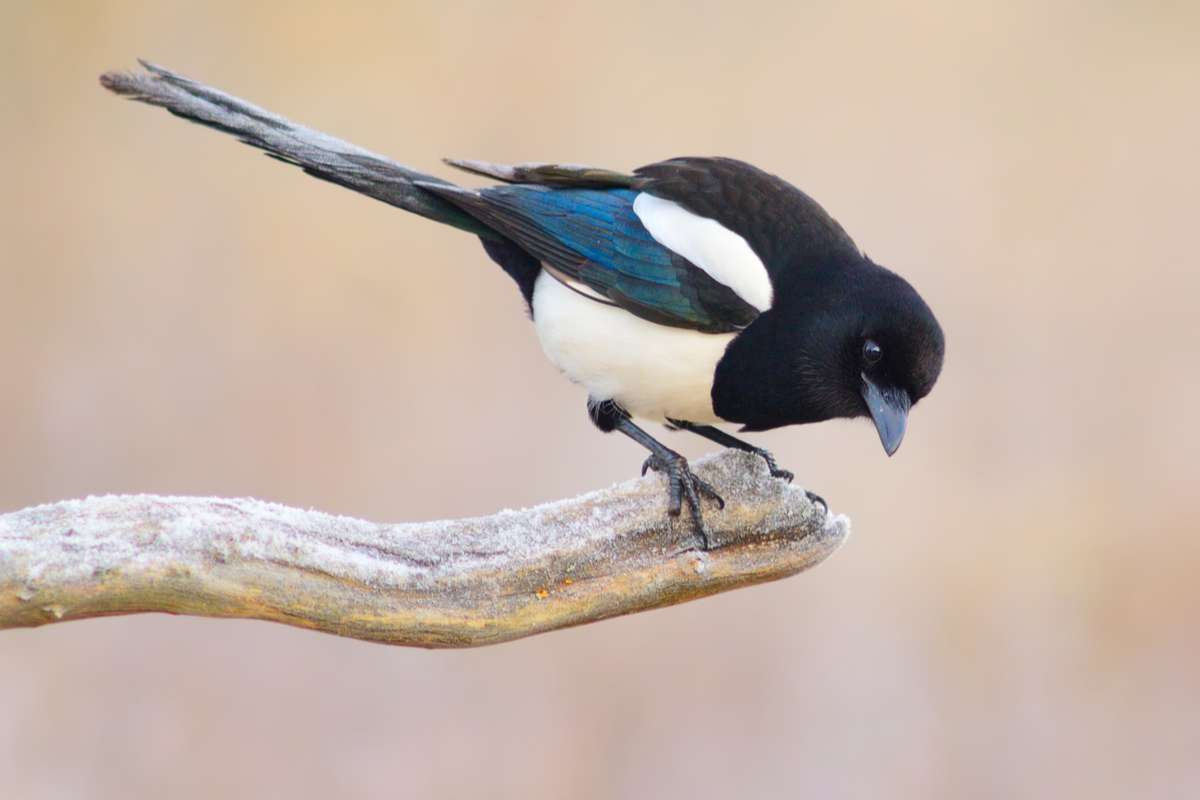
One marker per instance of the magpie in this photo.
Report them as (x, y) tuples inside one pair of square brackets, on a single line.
[(692, 292)]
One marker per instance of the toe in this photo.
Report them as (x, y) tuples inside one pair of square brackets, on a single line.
[(706, 489), (675, 500)]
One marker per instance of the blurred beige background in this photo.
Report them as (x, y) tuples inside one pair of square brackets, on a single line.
[(1016, 612)]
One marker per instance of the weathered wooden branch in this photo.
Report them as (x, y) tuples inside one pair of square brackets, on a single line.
[(455, 583)]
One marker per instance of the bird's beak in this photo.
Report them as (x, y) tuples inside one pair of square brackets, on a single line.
[(889, 408)]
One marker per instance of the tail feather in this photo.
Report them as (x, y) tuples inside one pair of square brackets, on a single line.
[(318, 154), (574, 176)]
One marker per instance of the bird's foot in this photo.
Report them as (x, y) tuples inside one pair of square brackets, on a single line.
[(681, 483), (813, 497), (786, 475), (776, 471)]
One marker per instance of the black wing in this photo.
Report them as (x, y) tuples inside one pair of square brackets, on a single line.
[(785, 227), (593, 238)]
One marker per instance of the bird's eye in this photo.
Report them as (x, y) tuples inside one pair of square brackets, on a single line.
[(871, 353)]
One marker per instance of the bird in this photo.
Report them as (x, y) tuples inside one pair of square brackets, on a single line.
[(693, 292)]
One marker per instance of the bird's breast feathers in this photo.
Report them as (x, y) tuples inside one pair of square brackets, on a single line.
[(653, 371)]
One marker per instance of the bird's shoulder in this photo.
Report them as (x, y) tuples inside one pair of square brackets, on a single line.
[(591, 230), (784, 226), (707, 243)]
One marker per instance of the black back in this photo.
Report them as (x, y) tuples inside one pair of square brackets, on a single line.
[(785, 227)]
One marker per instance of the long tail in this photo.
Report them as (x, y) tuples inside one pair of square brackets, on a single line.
[(318, 154)]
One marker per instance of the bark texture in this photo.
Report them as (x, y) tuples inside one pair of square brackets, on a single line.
[(455, 583)]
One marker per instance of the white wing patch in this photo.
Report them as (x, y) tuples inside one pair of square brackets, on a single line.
[(723, 254)]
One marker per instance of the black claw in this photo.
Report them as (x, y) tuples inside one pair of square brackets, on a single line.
[(706, 488), (776, 472), (816, 498)]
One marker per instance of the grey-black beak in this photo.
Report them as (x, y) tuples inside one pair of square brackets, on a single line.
[(889, 408)]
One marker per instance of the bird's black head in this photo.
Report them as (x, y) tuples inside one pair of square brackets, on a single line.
[(856, 342), (893, 354)]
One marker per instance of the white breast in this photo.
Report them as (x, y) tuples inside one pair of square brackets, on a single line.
[(653, 371)]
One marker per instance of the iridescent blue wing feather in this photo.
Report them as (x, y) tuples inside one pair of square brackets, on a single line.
[(592, 237)]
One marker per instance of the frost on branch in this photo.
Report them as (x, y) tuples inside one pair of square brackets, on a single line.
[(451, 583)]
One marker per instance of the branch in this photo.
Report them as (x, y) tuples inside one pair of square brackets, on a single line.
[(457, 583)]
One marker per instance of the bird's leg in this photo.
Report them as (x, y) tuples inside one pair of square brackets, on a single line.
[(681, 481), (727, 440)]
